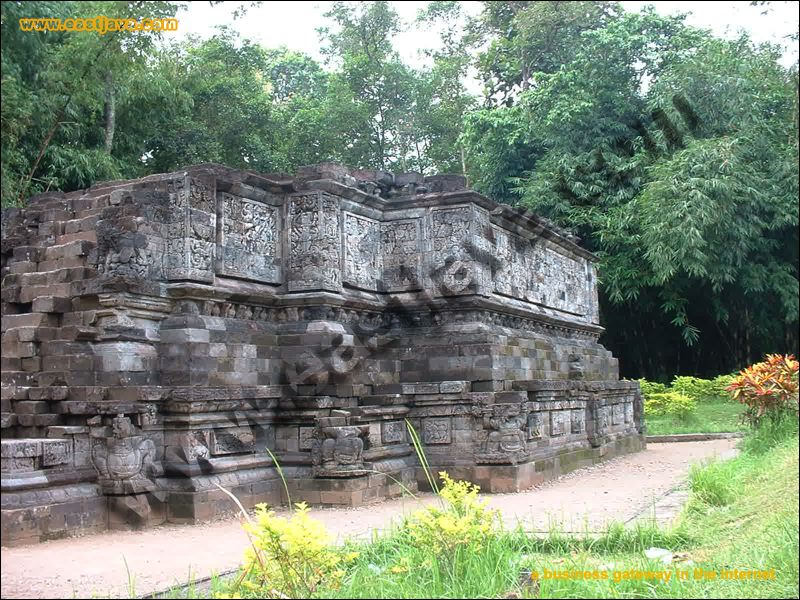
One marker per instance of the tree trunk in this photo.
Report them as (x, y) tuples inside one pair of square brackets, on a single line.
[(110, 112)]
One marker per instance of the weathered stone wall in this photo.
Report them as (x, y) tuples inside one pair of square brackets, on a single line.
[(163, 337)]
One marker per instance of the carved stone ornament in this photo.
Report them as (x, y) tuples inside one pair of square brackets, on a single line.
[(506, 442), (126, 462), (338, 448)]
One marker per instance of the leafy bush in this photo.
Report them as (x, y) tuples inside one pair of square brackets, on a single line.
[(768, 388), (651, 387), (464, 523), (673, 404), (289, 557), (703, 389)]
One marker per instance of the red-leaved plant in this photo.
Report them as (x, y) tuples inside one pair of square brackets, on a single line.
[(768, 388)]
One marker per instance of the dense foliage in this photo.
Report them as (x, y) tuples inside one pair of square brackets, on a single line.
[(671, 152)]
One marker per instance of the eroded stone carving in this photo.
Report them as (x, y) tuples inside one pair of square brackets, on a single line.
[(402, 256), (535, 426), (249, 242), (506, 440), (338, 448), (57, 453), (237, 440), (191, 230), (362, 256), (436, 431), (559, 422), (575, 367), (194, 446), (126, 462), (449, 228), (578, 421), (617, 414), (393, 432), (314, 243)]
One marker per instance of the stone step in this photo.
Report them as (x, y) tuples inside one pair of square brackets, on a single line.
[(28, 253), (63, 275), (51, 304), (62, 431), (31, 319), (68, 250), (381, 400), (80, 223), (22, 266), (29, 334), (31, 407), (66, 238), (62, 263), (38, 420), (30, 293)]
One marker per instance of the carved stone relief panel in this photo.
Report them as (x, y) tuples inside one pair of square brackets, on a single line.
[(559, 422), (455, 270), (236, 440), (617, 414), (535, 426), (402, 256), (538, 273), (603, 419), (56, 452), (191, 242), (504, 426), (436, 431), (338, 451), (307, 438), (578, 421), (249, 242), (314, 243), (362, 253), (504, 256), (393, 432)]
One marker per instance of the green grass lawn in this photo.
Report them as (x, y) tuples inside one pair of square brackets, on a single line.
[(711, 416), (742, 515)]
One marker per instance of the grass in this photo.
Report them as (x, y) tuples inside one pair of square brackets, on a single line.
[(711, 416), (742, 514)]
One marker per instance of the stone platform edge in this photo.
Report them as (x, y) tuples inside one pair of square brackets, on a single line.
[(693, 437)]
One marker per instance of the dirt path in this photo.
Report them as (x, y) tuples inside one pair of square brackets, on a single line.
[(94, 566)]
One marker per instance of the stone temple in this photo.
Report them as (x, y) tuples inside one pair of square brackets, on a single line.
[(166, 336)]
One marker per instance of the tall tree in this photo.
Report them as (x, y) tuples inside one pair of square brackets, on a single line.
[(526, 38), (72, 96), (685, 187), (370, 88)]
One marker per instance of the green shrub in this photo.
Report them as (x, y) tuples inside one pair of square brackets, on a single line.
[(721, 382), (288, 558), (464, 524), (693, 387), (651, 387), (672, 404), (702, 389)]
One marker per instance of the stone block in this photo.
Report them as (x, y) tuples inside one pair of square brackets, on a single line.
[(51, 304)]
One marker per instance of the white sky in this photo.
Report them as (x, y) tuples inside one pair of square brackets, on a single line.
[(294, 24)]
